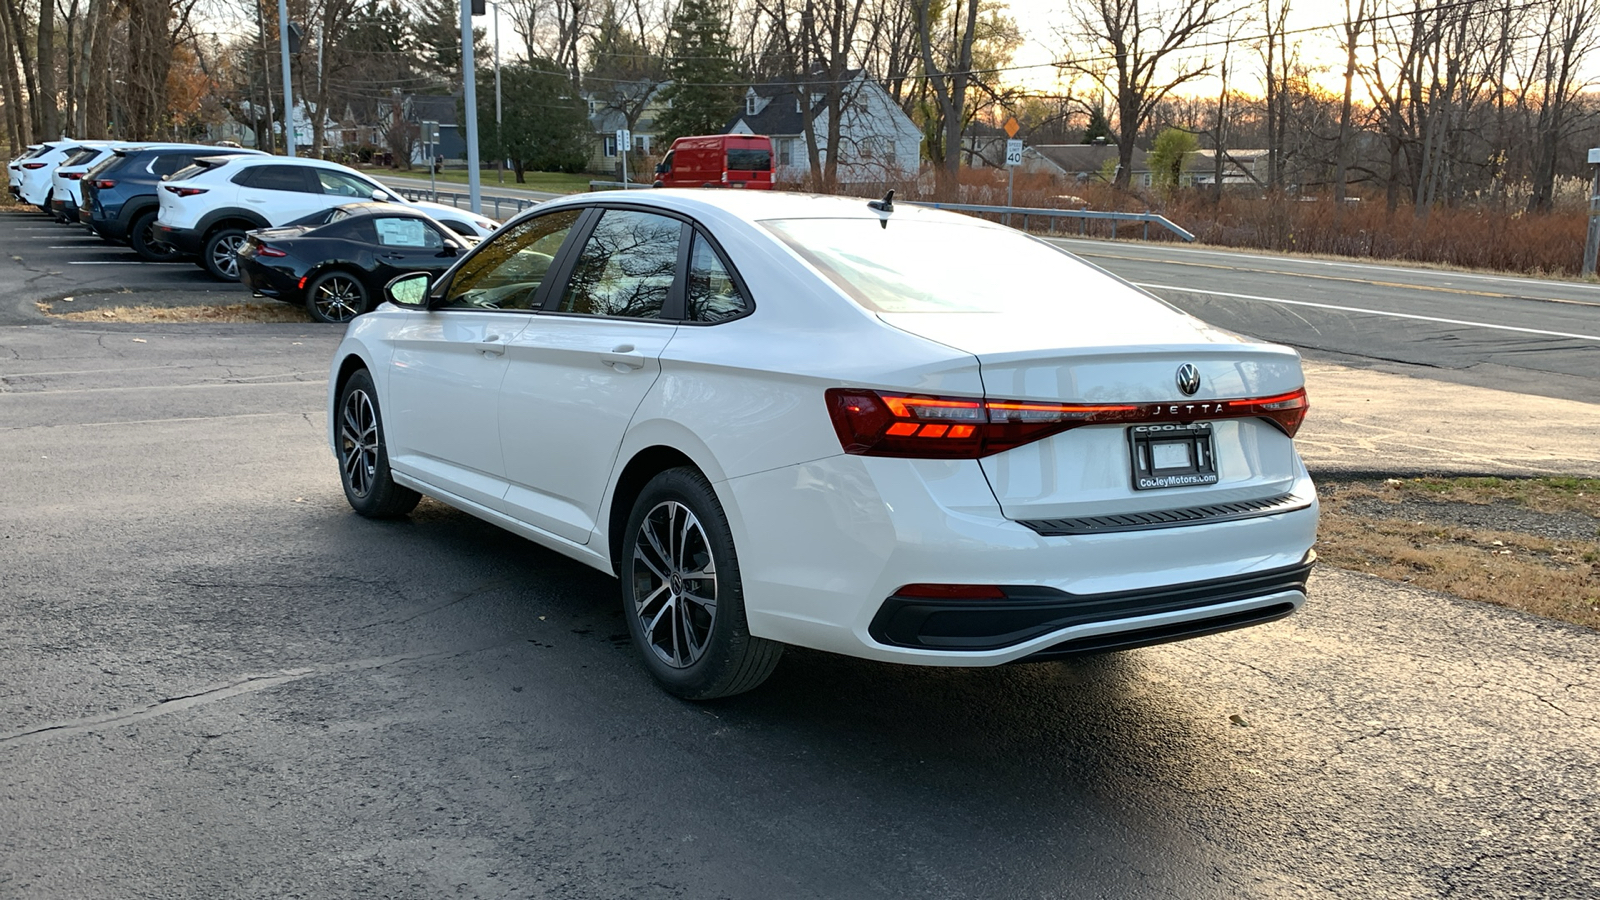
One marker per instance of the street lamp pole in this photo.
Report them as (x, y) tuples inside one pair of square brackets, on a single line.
[(499, 134), (469, 87), (288, 91)]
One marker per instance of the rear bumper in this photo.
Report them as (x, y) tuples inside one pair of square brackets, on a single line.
[(875, 525), (268, 281), (1026, 613), (187, 240)]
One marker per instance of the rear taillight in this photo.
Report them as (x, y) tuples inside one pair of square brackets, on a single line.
[(184, 191), (269, 250), (101, 184), (871, 423), (34, 165), (72, 176)]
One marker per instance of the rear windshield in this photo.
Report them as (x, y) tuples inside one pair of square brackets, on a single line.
[(929, 267), (82, 156), (750, 160)]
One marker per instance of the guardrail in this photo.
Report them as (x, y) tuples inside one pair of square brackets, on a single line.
[(464, 201), (617, 185), (1084, 216)]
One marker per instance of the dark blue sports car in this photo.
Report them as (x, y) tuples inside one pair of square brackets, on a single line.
[(337, 262)]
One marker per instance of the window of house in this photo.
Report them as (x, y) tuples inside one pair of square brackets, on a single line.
[(750, 104), (611, 145)]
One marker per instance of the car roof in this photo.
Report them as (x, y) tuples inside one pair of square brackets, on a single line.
[(267, 159), (755, 206)]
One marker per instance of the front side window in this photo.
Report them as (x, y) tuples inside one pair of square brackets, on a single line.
[(711, 295), (627, 266), (341, 184), (508, 269)]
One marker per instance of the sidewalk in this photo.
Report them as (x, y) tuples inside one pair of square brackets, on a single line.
[(1377, 423)]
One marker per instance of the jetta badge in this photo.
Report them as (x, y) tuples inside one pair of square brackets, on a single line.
[(1188, 379)]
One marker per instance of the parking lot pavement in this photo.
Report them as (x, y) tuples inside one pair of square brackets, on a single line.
[(44, 260), (217, 681)]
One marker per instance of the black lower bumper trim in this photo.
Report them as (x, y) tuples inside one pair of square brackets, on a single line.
[(1028, 612)]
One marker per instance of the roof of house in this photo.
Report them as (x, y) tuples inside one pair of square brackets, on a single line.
[(781, 115), (1088, 158)]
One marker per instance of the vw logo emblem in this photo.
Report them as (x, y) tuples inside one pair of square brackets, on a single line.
[(1188, 379)]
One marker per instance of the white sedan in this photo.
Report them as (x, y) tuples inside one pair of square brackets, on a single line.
[(877, 430)]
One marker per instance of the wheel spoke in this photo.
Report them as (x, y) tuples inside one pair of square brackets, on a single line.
[(641, 556)]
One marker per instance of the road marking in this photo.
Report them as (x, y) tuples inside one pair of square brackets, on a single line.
[(1370, 312), (1285, 260), (124, 262), (1404, 285), (88, 247)]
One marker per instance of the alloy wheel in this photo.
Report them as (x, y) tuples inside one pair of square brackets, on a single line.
[(338, 298), (224, 254), (674, 584), (358, 442), (155, 246)]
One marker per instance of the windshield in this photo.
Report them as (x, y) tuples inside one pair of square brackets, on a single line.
[(929, 267)]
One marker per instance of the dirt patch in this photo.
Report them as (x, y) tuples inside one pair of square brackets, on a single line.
[(1528, 544), (226, 313)]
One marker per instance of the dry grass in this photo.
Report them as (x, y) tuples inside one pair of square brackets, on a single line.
[(1556, 577), (224, 313)]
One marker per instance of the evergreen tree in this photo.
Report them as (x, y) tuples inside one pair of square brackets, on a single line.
[(545, 128), (437, 26), (704, 72), (1098, 127)]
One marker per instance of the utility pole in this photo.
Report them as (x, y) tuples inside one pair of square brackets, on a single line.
[(499, 133), (288, 91), (469, 87)]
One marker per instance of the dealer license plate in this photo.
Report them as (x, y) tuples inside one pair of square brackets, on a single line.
[(1167, 456)]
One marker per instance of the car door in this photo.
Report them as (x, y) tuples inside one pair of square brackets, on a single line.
[(448, 362), (578, 372), (280, 193)]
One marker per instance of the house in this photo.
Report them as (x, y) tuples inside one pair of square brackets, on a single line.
[(416, 109), (877, 141), (1095, 162), (606, 118), (1240, 168)]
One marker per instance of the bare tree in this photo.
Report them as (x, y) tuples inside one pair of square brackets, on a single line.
[(1566, 40), (1135, 52)]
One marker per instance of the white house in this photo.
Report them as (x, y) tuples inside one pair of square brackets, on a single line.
[(877, 141)]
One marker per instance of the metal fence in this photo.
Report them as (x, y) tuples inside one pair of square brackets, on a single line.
[(459, 200), (1008, 214)]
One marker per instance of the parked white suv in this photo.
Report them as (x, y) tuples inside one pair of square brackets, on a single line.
[(66, 182), (207, 208), (34, 185)]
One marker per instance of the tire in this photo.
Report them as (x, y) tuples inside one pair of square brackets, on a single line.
[(218, 256), (336, 297), (142, 238), (364, 455), (682, 595)]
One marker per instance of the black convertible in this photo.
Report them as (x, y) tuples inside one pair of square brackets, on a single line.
[(337, 262)]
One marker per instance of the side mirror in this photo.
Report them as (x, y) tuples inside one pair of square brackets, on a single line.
[(380, 196), (661, 168), (451, 247), (409, 291)]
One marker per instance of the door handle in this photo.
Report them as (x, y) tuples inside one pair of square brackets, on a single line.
[(623, 356), (492, 345)]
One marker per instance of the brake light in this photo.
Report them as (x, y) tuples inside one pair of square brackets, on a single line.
[(185, 191), (73, 176), (101, 184), (871, 423), (269, 250), (34, 165)]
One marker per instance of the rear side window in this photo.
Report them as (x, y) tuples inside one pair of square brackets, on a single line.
[(280, 178), (712, 295), (170, 163), (750, 159)]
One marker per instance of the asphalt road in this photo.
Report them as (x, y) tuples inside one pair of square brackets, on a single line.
[(216, 681), (1520, 334)]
